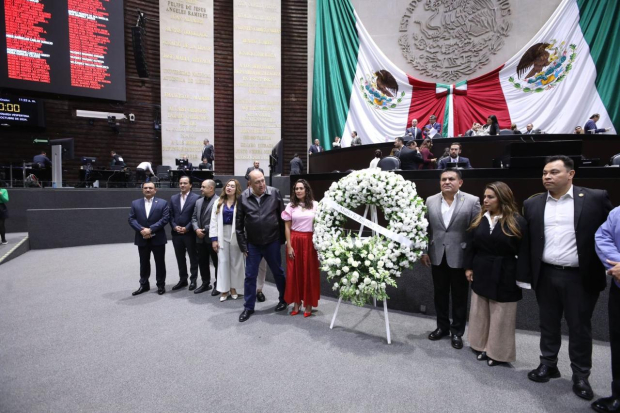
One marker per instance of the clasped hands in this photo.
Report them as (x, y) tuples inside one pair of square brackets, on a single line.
[(615, 270), (146, 233), (180, 230)]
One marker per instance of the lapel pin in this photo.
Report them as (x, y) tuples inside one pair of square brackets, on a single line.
[(581, 195)]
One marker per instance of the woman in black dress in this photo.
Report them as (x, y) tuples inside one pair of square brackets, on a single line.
[(497, 265), (492, 126)]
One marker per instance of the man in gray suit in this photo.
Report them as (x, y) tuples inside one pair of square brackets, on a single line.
[(449, 215), (200, 222)]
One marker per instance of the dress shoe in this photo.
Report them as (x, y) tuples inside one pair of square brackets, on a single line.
[(142, 289), (161, 290), (457, 342), (492, 363), (192, 286), (581, 387), (245, 315), (607, 404), (180, 284), (483, 356), (204, 287), (260, 297), (437, 334), (215, 292), (543, 373), (281, 306)]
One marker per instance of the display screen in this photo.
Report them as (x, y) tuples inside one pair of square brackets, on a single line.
[(16, 111), (69, 47)]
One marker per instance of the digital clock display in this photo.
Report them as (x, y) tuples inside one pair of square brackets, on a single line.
[(16, 111)]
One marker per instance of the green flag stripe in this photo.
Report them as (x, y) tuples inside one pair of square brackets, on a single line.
[(335, 61), (599, 25)]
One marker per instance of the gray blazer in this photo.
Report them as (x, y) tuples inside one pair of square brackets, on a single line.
[(204, 220), (452, 240)]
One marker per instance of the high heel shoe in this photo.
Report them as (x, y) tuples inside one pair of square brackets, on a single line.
[(307, 314), (223, 297), (483, 356), (492, 363), (295, 312)]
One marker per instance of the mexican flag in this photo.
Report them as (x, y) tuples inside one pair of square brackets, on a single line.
[(562, 76)]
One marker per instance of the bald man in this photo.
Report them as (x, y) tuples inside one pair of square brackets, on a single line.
[(200, 222)]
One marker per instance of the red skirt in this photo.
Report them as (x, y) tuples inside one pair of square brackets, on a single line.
[(303, 277)]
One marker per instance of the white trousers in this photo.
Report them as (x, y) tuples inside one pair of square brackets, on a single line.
[(231, 265)]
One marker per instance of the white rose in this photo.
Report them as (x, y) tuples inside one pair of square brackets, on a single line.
[(344, 281), (355, 274), (380, 264), (358, 244), (338, 272), (367, 281), (371, 257), (383, 286), (367, 263), (373, 284), (345, 269), (355, 264)]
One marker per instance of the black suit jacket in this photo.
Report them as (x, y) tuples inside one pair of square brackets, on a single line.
[(418, 133), (591, 209), (157, 220), (208, 152), (443, 163), (182, 217), (250, 169), (296, 166), (409, 159), (315, 149)]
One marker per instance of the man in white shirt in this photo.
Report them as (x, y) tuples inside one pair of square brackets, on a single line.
[(146, 169), (566, 272), (450, 213)]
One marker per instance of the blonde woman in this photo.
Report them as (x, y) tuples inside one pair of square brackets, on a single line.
[(231, 269)]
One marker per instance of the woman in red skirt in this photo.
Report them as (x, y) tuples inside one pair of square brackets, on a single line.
[(302, 263)]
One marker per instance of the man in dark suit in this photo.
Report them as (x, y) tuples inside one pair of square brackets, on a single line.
[(296, 165), (42, 160), (148, 217), (414, 132), (186, 165), (183, 236), (208, 154), (117, 160), (355, 140), (316, 148), (432, 124), (590, 126), (253, 168), (450, 213), (201, 219), (566, 272), (454, 158), (410, 156)]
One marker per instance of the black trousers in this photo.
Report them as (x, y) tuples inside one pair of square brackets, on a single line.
[(205, 252), (450, 282), (614, 333), (183, 244), (159, 254), (561, 292)]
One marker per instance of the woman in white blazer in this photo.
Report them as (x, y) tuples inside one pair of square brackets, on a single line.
[(231, 261)]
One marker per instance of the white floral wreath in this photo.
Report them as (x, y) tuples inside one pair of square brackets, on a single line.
[(363, 267)]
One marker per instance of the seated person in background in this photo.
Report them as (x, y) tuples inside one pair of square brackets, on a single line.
[(492, 126), (41, 161), (579, 130), (315, 148), (516, 131), (394, 152), (455, 157), (145, 167), (432, 124), (475, 130), (446, 154), (428, 159), (336, 144), (410, 156), (529, 129), (117, 160), (414, 132), (377, 158), (355, 140), (296, 165), (590, 126), (186, 166)]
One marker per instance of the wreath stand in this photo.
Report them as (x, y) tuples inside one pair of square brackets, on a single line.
[(373, 218)]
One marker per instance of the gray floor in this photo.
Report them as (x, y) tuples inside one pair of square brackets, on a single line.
[(72, 339)]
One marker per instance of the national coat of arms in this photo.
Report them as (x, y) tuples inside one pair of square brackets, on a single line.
[(380, 90), (544, 66)]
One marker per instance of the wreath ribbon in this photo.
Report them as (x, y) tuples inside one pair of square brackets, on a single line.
[(366, 222)]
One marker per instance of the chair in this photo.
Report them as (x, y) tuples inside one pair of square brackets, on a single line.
[(506, 132), (615, 160), (389, 163), (162, 174)]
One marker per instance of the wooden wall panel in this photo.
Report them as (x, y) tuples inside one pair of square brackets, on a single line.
[(294, 79)]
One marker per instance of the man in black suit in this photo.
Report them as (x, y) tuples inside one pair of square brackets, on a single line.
[(410, 156), (566, 272), (253, 168), (296, 165), (208, 154), (148, 217), (117, 160), (201, 219), (414, 132), (454, 158), (183, 237), (42, 160), (316, 148)]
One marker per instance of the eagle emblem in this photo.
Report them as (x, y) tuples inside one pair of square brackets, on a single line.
[(380, 90), (543, 66)]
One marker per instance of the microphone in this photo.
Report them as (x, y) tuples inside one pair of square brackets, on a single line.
[(522, 140), (532, 139)]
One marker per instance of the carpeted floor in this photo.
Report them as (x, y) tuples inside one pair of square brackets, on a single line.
[(73, 339)]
